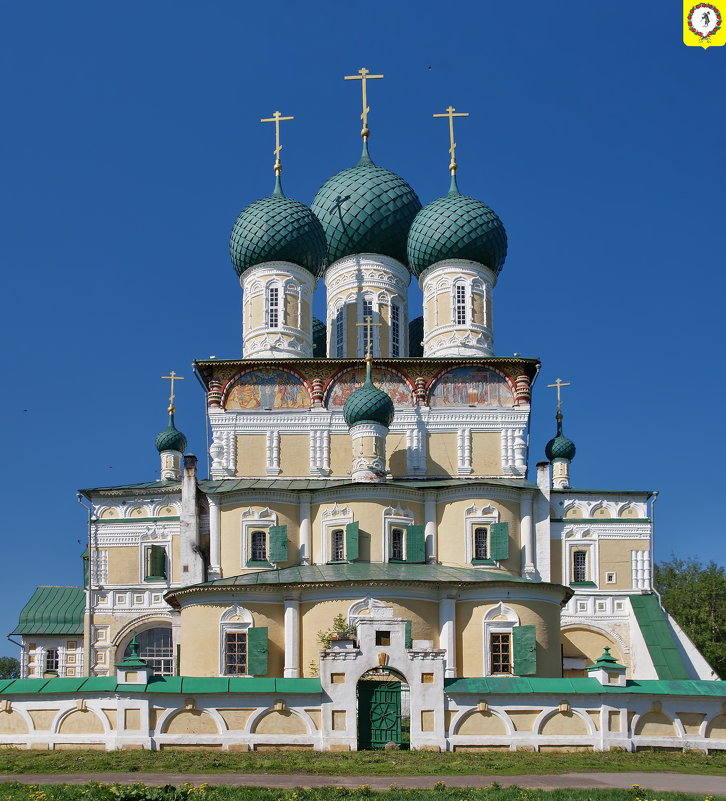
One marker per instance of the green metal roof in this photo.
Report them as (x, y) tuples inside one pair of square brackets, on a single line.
[(277, 228), (53, 610), (171, 439), (503, 685), (456, 227), (163, 486), (659, 637), (366, 209), (177, 685)]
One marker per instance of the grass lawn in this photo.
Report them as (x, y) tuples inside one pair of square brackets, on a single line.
[(357, 763), (99, 792)]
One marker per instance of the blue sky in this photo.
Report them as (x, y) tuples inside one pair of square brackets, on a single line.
[(130, 142)]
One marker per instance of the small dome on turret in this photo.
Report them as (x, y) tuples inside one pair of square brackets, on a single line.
[(277, 228), (456, 226), (366, 209), (368, 404), (171, 439), (560, 447)]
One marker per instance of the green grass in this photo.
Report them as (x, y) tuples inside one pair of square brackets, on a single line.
[(97, 792), (357, 763)]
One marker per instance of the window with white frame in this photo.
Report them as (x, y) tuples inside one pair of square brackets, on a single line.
[(460, 304), (579, 566), (477, 525), (395, 329), (500, 652), (258, 545), (339, 540), (481, 543), (499, 624), (337, 545), (340, 332), (235, 623), (272, 306), (366, 331), (398, 553), (52, 659), (157, 649), (256, 525)]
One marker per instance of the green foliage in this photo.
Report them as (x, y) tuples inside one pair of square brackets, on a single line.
[(695, 594), (340, 628), (9, 667)]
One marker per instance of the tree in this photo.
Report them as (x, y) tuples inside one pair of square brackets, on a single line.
[(9, 667), (695, 595)]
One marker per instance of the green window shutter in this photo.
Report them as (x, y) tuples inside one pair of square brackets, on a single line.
[(499, 541), (415, 549), (278, 545), (157, 562), (257, 651), (351, 541), (409, 637), (525, 650)]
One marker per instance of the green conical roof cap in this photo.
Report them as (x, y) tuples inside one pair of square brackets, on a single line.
[(456, 227), (366, 209), (277, 228), (368, 404), (560, 447), (171, 439)]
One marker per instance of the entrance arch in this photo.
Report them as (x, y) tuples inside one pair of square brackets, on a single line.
[(383, 709)]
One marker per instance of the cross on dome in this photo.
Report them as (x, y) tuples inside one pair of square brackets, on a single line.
[(363, 76)]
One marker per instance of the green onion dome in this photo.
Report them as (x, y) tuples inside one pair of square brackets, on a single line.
[(170, 439), (456, 226), (560, 447), (277, 228), (368, 404), (366, 209)]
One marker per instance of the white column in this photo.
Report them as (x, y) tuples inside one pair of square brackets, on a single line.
[(447, 634), (525, 527), (431, 530), (292, 638), (215, 538), (305, 538)]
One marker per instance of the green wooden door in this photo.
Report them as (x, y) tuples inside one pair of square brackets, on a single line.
[(379, 713)]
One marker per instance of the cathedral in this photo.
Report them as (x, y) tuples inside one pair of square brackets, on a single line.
[(369, 563)]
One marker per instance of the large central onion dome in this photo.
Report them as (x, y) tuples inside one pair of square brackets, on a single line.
[(368, 404), (456, 226), (277, 228), (366, 209)]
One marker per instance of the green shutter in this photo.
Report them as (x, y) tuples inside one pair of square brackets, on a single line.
[(499, 541), (525, 650), (415, 549), (157, 562), (278, 545), (409, 636), (257, 651), (351, 541)]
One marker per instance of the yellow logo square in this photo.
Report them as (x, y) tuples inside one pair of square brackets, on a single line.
[(703, 23)]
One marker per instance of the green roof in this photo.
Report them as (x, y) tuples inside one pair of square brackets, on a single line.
[(456, 227), (503, 685), (181, 685), (53, 610), (277, 228), (366, 209), (163, 486), (659, 637)]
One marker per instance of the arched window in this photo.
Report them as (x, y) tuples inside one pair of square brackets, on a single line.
[(337, 545), (460, 304), (258, 546), (395, 329), (579, 566), (272, 306), (156, 648), (481, 542)]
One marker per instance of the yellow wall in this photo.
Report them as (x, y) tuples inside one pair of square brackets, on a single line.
[(231, 533), (295, 454), (564, 723), (482, 723), (81, 722), (191, 721), (251, 455), (396, 453), (441, 454), (655, 724), (556, 561), (12, 723), (281, 722), (581, 642), (486, 453), (314, 617), (341, 455), (615, 555), (123, 565)]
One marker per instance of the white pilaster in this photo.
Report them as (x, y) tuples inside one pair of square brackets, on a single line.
[(305, 530), (292, 638), (525, 507), (447, 633), (431, 529), (215, 538)]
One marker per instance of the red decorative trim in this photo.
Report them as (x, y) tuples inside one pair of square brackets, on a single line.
[(706, 37)]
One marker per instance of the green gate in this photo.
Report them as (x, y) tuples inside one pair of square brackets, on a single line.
[(379, 713)]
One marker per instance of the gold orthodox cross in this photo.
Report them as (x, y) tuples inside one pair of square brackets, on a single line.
[(172, 377), (559, 384), (369, 324), (277, 118), (363, 76), (450, 114)]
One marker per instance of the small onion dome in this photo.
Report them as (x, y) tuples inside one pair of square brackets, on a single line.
[(560, 447), (368, 404), (277, 228), (320, 337), (170, 439), (456, 227), (366, 209)]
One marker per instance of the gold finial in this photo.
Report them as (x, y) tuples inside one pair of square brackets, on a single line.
[(277, 118), (369, 324), (450, 114), (172, 377), (363, 76), (559, 384)]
